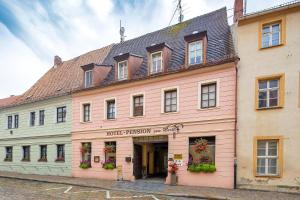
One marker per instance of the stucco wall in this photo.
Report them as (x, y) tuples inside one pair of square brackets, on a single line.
[(217, 122), (50, 134), (284, 121)]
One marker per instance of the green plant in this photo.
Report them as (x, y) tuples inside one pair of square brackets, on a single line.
[(206, 168), (84, 165), (108, 166)]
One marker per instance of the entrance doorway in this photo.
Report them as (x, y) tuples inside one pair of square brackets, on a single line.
[(150, 157)]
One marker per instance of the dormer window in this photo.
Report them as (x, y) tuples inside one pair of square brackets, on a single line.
[(156, 62), (88, 78), (195, 52), (122, 70)]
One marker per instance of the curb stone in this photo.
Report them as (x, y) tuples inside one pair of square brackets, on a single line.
[(116, 189)]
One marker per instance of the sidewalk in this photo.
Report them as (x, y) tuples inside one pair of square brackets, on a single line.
[(158, 188)]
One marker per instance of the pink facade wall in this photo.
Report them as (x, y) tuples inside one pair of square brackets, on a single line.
[(217, 122)]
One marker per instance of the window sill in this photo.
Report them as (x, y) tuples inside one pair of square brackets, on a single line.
[(86, 122), (169, 113), (42, 160), (110, 119), (7, 160), (210, 108), (270, 108), (134, 117), (25, 160), (59, 161), (267, 176), (270, 47)]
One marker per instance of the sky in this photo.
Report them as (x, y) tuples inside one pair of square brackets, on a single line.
[(33, 32)]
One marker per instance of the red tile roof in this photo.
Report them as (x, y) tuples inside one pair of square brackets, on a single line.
[(59, 80)]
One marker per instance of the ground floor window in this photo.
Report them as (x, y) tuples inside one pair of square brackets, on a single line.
[(86, 152), (202, 154), (110, 155), (43, 153), (8, 153), (267, 158), (60, 148), (26, 153)]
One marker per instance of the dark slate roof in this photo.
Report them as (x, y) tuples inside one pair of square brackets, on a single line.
[(220, 45)]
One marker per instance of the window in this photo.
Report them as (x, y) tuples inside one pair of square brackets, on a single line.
[(201, 151), (88, 78), (170, 101), (156, 62), (122, 70), (8, 154), (110, 155), (32, 118), (268, 155), (43, 153), (138, 105), (61, 114), (9, 122), (271, 35), (86, 152), (41, 117), (16, 122), (86, 112), (110, 109), (26, 153), (60, 152), (208, 95), (269, 92), (195, 52)]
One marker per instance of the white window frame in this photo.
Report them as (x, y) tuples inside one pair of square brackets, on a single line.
[(161, 62), (55, 116), (268, 89), (266, 159), (123, 78), (105, 107), (82, 110), (85, 78), (131, 103), (270, 34), (201, 44), (217, 81), (163, 90)]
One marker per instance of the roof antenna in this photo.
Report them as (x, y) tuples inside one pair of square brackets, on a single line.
[(180, 18), (122, 31)]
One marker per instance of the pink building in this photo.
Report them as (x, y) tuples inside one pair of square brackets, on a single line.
[(165, 97)]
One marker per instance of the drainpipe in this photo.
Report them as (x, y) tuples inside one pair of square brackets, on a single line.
[(235, 126)]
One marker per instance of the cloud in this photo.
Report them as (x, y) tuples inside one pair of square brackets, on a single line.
[(32, 32)]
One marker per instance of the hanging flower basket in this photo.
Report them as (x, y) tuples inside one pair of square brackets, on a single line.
[(109, 149)]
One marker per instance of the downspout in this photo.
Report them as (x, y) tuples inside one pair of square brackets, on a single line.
[(235, 126)]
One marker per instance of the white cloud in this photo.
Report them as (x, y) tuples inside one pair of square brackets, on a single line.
[(74, 27)]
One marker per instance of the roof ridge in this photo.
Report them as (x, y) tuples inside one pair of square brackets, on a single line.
[(168, 27)]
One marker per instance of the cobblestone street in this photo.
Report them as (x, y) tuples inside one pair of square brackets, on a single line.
[(13, 189)]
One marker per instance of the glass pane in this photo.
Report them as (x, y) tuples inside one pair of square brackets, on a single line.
[(204, 96), (204, 104), (273, 102), (272, 165), (168, 95), (261, 148), (272, 148), (174, 101), (261, 162), (275, 39), (174, 108), (273, 83), (265, 40), (168, 108), (273, 94), (198, 59), (262, 95), (212, 95), (275, 28), (266, 29), (204, 89), (212, 88), (212, 103), (262, 85)]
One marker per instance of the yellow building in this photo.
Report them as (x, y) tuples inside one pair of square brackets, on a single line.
[(268, 110)]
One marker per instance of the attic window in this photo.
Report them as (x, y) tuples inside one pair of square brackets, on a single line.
[(122, 70), (156, 62), (88, 78), (195, 52)]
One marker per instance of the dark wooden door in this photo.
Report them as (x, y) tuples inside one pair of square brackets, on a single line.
[(137, 161)]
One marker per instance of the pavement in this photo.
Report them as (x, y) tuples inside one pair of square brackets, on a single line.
[(139, 189)]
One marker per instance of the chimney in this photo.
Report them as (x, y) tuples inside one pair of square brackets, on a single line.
[(238, 10), (57, 61)]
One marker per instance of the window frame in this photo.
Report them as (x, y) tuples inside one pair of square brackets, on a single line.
[(90, 75), (163, 90), (60, 159), (106, 106), (217, 93), (281, 20), (16, 121), (32, 120), (202, 52), (41, 117), (132, 96), (281, 90), (23, 153), (118, 64), (83, 116), (279, 154), (64, 117), (161, 62), (43, 158), (6, 158), (9, 121)]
